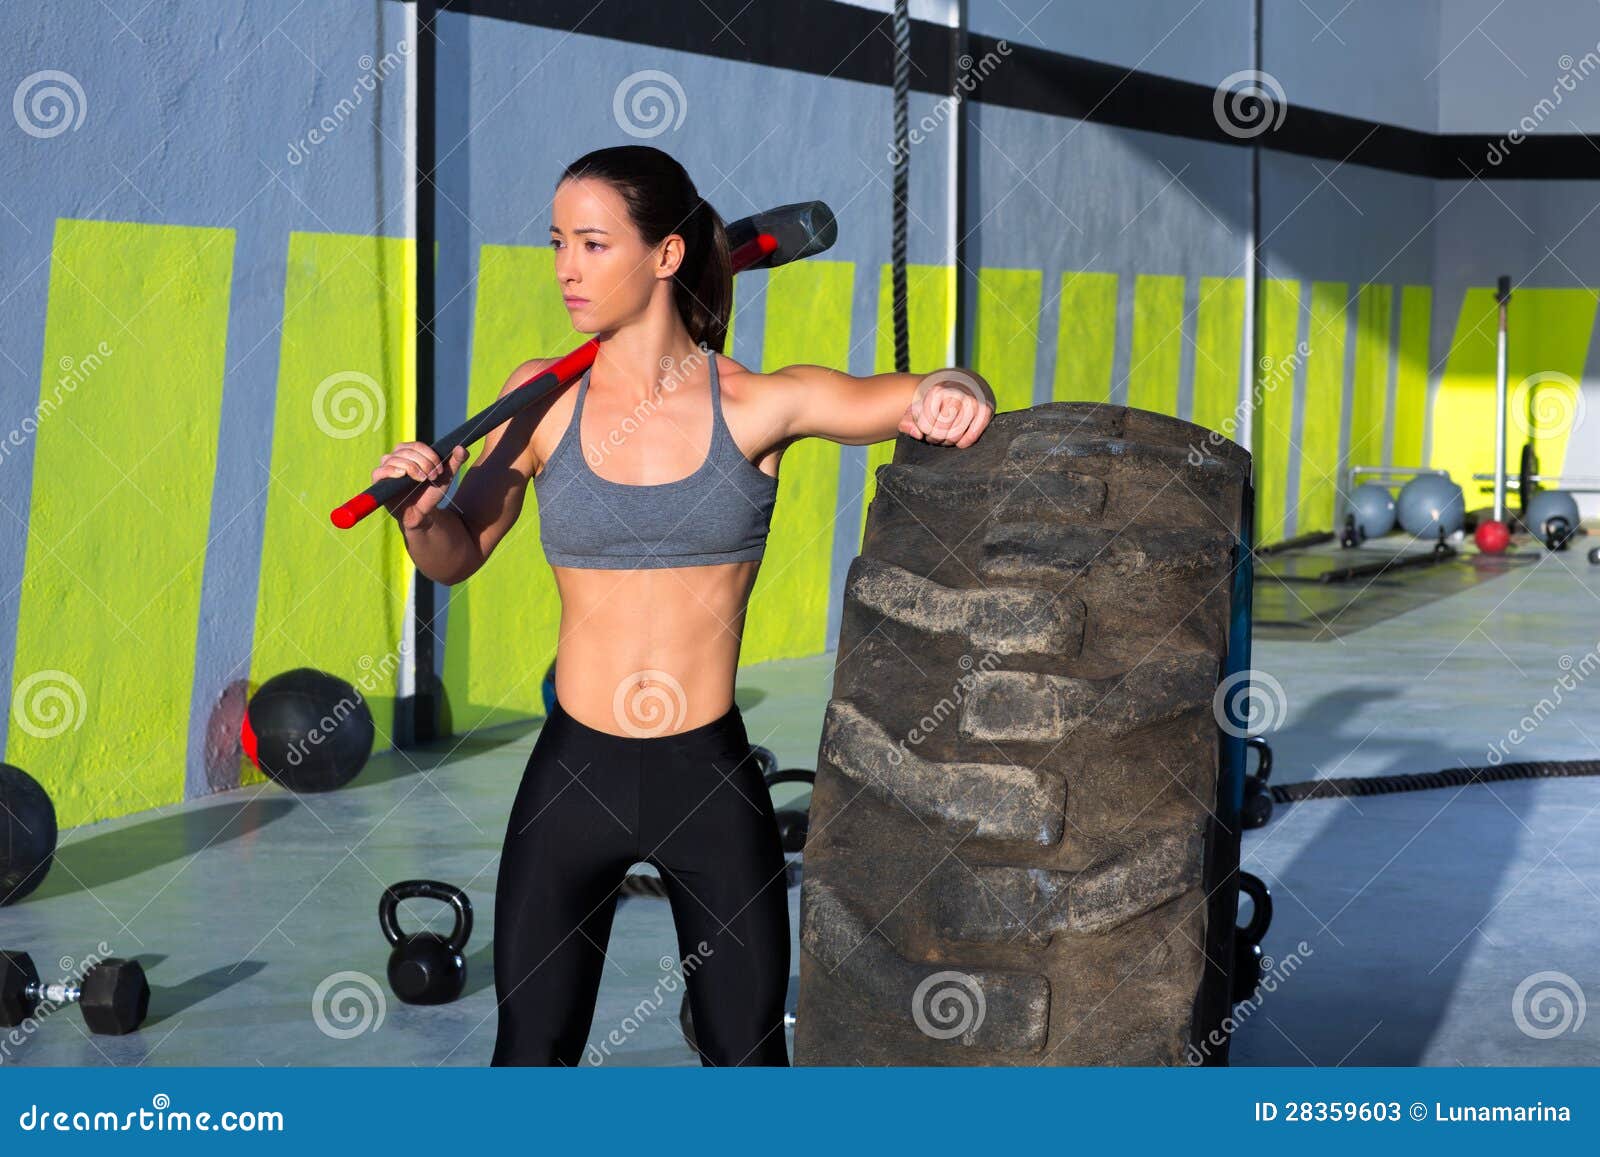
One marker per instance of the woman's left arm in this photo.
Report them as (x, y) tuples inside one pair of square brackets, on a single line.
[(949, 407)]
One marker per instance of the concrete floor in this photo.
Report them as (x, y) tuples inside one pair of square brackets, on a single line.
[(1421, 913), (243, 905), (1425, 911)]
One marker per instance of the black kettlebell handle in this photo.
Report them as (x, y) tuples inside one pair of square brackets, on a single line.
[(1556, 532), (1263, 758), (791, 775), (428, 890), (1260, 909)]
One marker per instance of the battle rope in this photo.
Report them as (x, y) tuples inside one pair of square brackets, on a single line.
[(902, 183), (1423, 780)]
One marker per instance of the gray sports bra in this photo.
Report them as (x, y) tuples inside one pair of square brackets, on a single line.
[(720, 513)]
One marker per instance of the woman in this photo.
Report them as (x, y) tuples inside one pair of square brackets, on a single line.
[(655, 481)]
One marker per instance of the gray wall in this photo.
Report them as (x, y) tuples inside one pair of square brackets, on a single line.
[(1499, 61)]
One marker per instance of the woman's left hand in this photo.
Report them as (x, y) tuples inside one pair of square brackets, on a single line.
[(949, 408)]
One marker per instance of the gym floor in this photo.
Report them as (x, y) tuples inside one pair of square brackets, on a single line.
[(1441, 927)]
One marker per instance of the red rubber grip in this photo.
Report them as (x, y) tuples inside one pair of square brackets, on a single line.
[(354, 511)]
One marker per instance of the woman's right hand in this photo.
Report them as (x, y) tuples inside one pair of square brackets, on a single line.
[(418, 461)]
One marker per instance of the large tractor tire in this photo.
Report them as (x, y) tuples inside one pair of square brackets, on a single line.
[(1017, 854)]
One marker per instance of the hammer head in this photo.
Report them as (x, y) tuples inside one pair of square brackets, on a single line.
[(802, 230)]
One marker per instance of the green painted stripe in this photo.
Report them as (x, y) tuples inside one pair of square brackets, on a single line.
[(1411, 375), (1086, 338), (1464, 405), (504, 620), (1547, 345), (334, 599), (1547, 353), (1324, 400), (1274, 412), (1369, 399), (1218, 350), (1005, 347), (1156, 358), (930, 293), (125, 452), (807, 323)]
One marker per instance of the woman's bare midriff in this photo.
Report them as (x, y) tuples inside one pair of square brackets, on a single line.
[(650, 652), (654, 651)]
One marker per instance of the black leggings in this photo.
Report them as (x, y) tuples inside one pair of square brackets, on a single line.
[(590, 805)]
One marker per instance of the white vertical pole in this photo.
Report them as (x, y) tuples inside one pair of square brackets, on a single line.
[(1503, 296)]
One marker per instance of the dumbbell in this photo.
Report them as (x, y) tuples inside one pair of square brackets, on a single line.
[(113, 994)]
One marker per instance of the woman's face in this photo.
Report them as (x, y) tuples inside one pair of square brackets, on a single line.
[(604, 269)]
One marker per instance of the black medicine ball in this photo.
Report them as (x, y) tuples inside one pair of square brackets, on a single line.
[(27, 833), (308, 730)]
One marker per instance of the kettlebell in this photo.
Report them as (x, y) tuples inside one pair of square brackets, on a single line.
[(1247, 940), (794, 823), (1557, 532), (426, 968), (1257, 809)]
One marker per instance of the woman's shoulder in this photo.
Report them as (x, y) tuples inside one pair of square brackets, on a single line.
[(728, 367), (526, 372), (529, 428), (778, 393), (760, 404), (749, 390), (741, 379)]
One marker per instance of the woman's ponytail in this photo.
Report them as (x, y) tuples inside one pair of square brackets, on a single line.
[(703, 288)]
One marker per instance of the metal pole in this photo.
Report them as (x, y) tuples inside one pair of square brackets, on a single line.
[(424, 715), (902, 184), (958, 127), (1244, 431), (1503, 296)]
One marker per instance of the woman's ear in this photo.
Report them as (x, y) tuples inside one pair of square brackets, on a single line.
[(671, 256)]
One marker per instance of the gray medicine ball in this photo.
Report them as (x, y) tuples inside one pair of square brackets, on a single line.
[(1373, 507), (1431, 501)]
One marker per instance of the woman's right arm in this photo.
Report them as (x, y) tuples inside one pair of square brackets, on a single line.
[(449, 543)]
